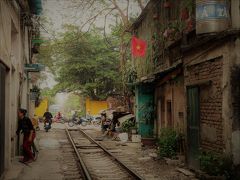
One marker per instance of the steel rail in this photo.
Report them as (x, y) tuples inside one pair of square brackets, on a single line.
[(84, 169), (129, 170)]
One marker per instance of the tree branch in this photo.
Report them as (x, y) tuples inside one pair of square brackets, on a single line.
[(127, 8), (123, 16), (105, 37), (95, 16)]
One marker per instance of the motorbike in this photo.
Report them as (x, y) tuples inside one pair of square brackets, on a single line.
[(59, 120), (47, 126), (78, 121), (96, 120)]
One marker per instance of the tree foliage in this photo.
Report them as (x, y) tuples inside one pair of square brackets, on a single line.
[(74, 102), (123, 11), (82, 61), (87, 59), (47, 93)]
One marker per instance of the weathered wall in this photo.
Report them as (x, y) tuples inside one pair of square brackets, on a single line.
[(9, 24), (144, 65), (211, 124), (213, 62), (172, 91), (235, 13), (13, 55), (94, 107), (235, 98)]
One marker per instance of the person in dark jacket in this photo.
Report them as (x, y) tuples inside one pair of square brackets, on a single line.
[(48, 118), (26, 127)]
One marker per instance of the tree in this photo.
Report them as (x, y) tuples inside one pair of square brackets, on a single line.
[(85, 63), (123, 11), (80, 52)]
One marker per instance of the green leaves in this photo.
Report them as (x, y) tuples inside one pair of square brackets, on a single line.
[(82, 61), (167, 143), (216, 164), (127, 125)]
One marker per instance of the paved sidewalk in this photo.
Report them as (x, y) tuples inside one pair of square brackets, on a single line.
[(15, 170), (48, 165)]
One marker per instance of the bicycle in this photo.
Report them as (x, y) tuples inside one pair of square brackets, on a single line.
[(35, 153)]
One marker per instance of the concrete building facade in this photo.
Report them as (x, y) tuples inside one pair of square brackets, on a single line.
[(213, 73), (15, 52), (195, 75)]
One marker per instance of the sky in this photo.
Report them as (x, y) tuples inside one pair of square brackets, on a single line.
[(60, 12)]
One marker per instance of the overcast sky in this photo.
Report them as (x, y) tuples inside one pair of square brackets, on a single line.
[(60, 12)]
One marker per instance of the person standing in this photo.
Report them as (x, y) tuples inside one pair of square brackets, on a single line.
[(26, 127)]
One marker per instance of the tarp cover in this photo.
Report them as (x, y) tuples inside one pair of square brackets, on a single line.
[(125, 118)]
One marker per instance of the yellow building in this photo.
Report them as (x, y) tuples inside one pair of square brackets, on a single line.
[(42, 108), (94, 107)]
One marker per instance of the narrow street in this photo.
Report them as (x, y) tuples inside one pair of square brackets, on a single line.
[(120, 89), (57, 160)]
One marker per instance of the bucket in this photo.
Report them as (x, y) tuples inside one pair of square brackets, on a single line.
[(123, 137)]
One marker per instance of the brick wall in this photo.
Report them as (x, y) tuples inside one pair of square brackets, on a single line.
[(211, 125)]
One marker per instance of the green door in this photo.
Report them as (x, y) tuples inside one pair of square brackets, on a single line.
[(193, 121), (145, 110)]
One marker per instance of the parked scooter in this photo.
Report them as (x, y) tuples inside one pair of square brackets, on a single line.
[(77, 121)]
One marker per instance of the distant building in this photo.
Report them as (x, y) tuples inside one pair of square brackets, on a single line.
[(95, 107)]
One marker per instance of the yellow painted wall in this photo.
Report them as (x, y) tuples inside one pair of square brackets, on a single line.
[(42, 108), (94, 107)]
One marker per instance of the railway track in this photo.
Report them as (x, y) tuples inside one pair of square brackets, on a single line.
[(96, 162), (70, 167)]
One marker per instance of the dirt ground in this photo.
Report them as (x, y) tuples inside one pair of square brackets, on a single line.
[(145, 157)]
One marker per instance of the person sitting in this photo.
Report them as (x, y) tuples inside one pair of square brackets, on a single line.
[(105, 122), (58, 117)]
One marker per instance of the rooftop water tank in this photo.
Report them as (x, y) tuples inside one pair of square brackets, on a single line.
[(212, 16)]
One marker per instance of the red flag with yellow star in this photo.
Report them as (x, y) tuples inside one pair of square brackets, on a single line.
[(138, 47)]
